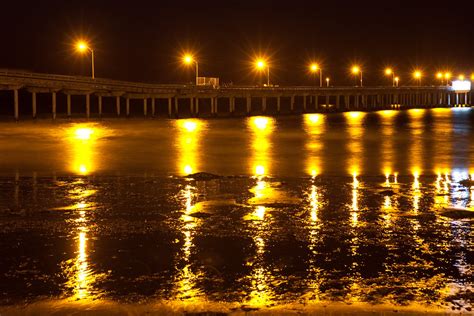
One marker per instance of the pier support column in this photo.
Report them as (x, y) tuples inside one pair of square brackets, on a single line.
[(53, 99), (264, 104), (117, 105), (197, 107), (191, 105), (33, 104), (346, 102), (232, 105), (127, 107), (169, 107), (249, 105), (88, 105), (68, 98), (292, 104), (338, 104), (99, 100), (176, 109), (16, 104), (304, 103), (152, 107), (327, 101), (278, 104), (145, 107)]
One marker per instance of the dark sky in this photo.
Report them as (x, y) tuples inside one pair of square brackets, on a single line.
[(141, 40)]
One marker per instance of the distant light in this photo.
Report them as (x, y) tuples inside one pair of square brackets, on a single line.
[(188, 59), (355, 69), (260, 64), (397, 79), (314, 67), (417, 74), (439, 75), (190, 126), (461, 77), (261, 122), (82, 46), (388, 71), (447, 75), (461, 85)]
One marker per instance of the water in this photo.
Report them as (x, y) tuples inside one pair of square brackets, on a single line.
[(355, 208)]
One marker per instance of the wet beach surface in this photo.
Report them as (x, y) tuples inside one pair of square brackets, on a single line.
[(352, 208)]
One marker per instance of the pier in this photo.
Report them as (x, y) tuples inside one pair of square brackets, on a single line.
[(192, 100)]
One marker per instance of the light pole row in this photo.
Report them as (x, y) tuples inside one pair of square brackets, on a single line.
[(261, 64)]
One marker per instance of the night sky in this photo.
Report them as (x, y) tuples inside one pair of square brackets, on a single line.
[(141, 40)]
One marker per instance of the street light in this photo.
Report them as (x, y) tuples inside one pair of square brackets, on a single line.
[(327, 82), (355, 70), (189, 59), (461, 77), (417, 75), (388, 72), (447, 76), (83, 46), (261, 65), (397, 79), (314, 68), (440, 76)]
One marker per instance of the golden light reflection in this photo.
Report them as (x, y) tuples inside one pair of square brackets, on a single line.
[(355, 200), (354, 145), (314, 125), (189, 135), (388, 153), (416, 146), (81, 276), (416, 190), (261, 129), (185, 285), (82, 139)]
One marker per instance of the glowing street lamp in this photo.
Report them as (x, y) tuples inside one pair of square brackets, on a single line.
[(314, 68), (397, 79), (189, 59), (440, 76), (417, 75), (327, 81), (461, 77), (356, 70), (388, 72), (447, 76), (83, 46), (261, 65)]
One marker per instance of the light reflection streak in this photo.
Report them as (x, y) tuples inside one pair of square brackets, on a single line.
[(83, 138), (261, 129), (416, 149), (314, 125), (387, 154), (189, 135), (354, 146)]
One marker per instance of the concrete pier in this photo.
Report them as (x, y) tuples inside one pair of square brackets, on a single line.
[(222, 100)]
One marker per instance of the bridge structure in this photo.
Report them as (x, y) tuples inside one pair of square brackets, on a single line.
[(233, 100)]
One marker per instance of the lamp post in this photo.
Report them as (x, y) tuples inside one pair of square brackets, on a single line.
[(389, 72), (356, 70), (327, 82), (261, 64), (189, 59), (82, 46), (397, 79), (314, 67), (447, 76), (417, 75), (440, 76)]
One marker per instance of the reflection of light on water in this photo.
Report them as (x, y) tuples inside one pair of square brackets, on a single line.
[(83, 273), (83, 139), (186, 289), (416, 191), (355, 202), (416, 130), (261, 128), (314, 125), (354, 145), (189, 134), (387, 154), (314, 203)]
